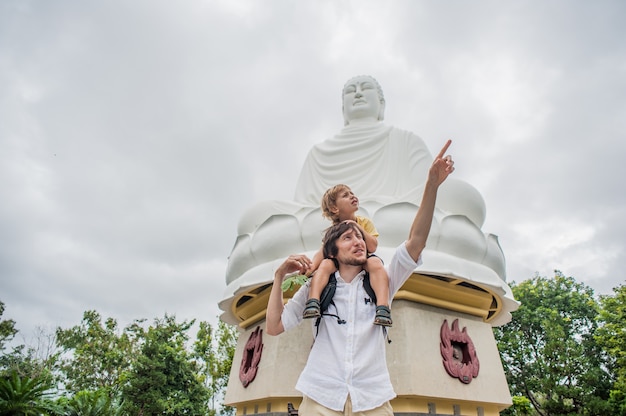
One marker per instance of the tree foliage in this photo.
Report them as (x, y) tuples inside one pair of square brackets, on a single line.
[(24, 396), (611, 335), (164, 380), (7, 332), (549, 351), (36, 362), (104, 370), (7, 328), (97, 354), (149, 370), (214, 350), (90, 403), (521, 407)]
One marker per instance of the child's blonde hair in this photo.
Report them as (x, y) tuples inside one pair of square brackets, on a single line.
[(329, 201)]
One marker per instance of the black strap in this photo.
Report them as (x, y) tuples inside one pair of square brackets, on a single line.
[(326, 299)]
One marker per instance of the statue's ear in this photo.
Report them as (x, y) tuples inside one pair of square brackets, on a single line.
[(381, 112)]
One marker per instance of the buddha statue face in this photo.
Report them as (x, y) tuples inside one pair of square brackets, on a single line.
[(363, 100)]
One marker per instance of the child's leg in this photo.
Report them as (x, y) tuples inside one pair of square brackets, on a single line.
[(319, 280), (379, 280), (380, 284)]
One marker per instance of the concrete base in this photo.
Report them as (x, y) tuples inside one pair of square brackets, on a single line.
[(414, 360)]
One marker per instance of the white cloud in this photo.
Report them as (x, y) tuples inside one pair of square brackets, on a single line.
[(134, 135)]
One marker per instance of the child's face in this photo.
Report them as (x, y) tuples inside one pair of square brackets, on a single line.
[(346, 204)]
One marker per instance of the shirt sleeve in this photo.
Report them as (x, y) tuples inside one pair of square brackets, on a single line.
[(292, 312), (400, 268), (367, 225)]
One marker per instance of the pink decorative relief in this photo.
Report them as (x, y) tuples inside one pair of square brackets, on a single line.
[(251, 357), (458, 352)]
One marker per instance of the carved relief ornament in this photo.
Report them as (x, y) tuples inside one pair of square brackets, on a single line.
[(458, 352), (251, 357)]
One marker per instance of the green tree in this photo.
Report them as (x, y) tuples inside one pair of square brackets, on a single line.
[(97, 355), (549, 351), (23, 396), (7, 333), (90, 403), (214, 350), (611, 334), (165, 380), (7, 329), (521, 407), (37, 361)]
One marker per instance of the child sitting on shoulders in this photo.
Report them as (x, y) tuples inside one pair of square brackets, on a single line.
[(340, 204)]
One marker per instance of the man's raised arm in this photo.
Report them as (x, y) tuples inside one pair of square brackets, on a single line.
[(440, 169), (273, 316)]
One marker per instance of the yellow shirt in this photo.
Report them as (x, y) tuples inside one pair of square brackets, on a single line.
[(367, 225)]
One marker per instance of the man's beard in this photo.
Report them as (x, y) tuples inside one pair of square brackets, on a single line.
[(352, 261)]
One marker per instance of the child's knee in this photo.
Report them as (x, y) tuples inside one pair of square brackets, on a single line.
[(327, 265), (374, 264)]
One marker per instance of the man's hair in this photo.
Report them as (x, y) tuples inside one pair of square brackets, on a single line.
[(329, 242), (329, 201)]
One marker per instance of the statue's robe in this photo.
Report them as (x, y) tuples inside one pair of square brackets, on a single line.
[(378, 162)]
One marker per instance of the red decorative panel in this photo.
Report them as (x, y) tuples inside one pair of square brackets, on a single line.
[(251, 357), (458, 352)]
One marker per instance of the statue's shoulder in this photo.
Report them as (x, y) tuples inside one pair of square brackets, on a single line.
[(398, 132)]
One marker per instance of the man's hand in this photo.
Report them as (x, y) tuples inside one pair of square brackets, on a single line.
[(442, 166), (296, 263)]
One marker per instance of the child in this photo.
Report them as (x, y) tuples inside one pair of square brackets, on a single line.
[(340, 204)]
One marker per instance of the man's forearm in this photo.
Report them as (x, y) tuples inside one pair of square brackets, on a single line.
[(422, 221), (273, 320), (438, 172)]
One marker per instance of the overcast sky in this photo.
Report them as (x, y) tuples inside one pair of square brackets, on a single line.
[(133, 134)]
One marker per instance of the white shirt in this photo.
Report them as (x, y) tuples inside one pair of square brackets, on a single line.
[(349, 358)]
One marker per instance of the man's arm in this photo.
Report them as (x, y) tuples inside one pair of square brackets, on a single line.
[(273, 317), (439, 171)]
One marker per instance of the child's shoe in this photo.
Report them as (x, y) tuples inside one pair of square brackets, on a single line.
[(383, 316), (312, 309)]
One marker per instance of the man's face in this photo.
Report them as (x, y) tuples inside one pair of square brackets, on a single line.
[(360, 99), (351, 248)]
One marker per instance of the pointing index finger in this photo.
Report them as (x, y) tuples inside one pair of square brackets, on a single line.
[(444, 149)]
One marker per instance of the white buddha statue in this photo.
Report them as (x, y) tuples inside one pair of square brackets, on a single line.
[(377, 161), (386, 168)]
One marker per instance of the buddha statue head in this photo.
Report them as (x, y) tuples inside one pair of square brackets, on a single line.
[(363, 100)]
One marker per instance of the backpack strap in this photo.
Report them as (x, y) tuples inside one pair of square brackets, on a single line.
[(368, 287), (326, 299)]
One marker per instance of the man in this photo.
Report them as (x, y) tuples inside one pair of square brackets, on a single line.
[(346, 370)]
